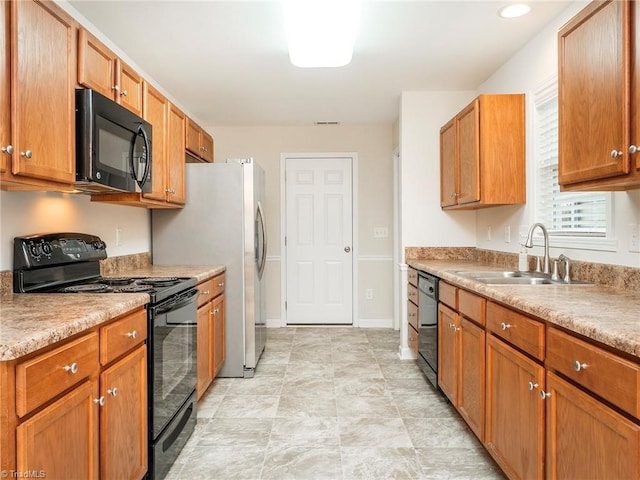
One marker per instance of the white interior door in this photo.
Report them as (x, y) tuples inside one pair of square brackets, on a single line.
[(319, 232)]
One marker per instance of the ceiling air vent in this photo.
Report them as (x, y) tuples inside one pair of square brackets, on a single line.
[(328, 123)]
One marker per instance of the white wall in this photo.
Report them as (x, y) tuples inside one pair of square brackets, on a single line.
[(525, 72), (26, 213), (374, 145)]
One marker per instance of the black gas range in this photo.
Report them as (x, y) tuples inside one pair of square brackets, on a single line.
[(69, 263)]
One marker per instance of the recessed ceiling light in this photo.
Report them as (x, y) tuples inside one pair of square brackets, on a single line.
[(515, 10), (321, 33)]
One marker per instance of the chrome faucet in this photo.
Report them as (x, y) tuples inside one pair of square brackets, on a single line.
[(567, 274), (529, 244)]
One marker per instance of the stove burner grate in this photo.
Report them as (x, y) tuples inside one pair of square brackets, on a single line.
[(87, 288), (135, 288), (117, 280), (158, 281)]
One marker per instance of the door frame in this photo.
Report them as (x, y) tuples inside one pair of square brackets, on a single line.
[(354, 228)]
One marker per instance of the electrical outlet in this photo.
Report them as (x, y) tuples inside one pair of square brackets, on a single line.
[(118, 237), (488, 234), (380, 232), (634, 238), (507, 234), (368, 294)]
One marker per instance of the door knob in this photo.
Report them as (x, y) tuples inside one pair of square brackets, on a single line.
[(347, 249)]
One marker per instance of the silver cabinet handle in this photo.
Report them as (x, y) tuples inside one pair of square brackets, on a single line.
[(633, 149), (99, 401), (73, 368), (8, 149), (347, 249), (116, 88), (133, 334), (616, 153), (27, 154), (505, 326), (577, 366), (113, 391), (206, 292), (124, 93), (544, 395), (221, 284), (532, 385)]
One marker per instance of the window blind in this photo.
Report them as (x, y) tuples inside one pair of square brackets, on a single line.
[(564, 213)]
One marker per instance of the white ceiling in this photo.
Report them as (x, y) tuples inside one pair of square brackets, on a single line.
[(226, 62)]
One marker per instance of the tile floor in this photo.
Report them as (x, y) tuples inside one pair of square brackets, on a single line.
[(330, 403)]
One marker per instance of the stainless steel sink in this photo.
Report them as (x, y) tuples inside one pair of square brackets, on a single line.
[(512, 277)]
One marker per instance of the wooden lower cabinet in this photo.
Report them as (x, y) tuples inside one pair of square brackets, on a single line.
[(61, 441), (471, 376), (585, 438), (204, 348), (219, 352), (514, 430), (448, 348)]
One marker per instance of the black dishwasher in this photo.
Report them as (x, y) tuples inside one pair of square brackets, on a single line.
[(428, 316)]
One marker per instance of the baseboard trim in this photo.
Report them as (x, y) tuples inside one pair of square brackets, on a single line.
[(274, 323), (405, 353), (375, 323)]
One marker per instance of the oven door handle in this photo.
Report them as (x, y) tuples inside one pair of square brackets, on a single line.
[(178, 302)]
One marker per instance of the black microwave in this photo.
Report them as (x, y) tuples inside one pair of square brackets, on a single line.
[(113, 146)]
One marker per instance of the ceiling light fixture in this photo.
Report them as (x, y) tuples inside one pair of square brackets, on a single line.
[(515, 10), (321, 33)]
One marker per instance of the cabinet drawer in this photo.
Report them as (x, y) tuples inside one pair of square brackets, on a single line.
[(122, 335), (448, 294), (517, 329), (45, 376), (412, 315), (413, 340), (412, 294), (413, 276), (606, 374), (218, 285), (206, 292), (471, 306)]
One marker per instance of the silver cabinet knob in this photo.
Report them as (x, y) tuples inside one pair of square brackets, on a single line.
[(206, 292), (633, 149), (124, 93), (221, 284), (616, 153), (8, 149), (73, 368), (505, 326), (99, 401), (113, 391), (532, 385), (27, 154), (116, 88), (133, 334), (577, 366), (347, 249), (544, 395)]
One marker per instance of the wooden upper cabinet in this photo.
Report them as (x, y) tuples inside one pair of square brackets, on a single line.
[(43, 77), (483, 154), (100, 69), (198, 142), (5, 90), (599, 122), (448, 164), (176, 192), (156, 108)]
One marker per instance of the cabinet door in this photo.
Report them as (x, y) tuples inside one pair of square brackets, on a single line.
[(62, 439), (193, 138), (204, 349), (96, 65), (207, 146), (123, 418), (592, 93), (471, 376), (43, 96), (586, 439), (514, 430), (5, 91), (468, 154), (175, 156), (448, 351), (218, 309), (448, 169), (130, 83), (155, 112), (635, 84)]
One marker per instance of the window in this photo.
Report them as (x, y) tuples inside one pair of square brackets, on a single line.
[(575, 214)]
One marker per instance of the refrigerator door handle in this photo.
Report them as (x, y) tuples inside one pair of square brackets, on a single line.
[(261, 259)]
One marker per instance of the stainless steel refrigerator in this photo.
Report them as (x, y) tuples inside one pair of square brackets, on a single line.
[(223, 223)]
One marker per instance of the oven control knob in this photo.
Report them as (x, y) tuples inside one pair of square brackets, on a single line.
[(35, 250), (46, 248), (99, 245)]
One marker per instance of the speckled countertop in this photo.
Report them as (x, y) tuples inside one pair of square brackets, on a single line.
[(30, 321), (607, 315)]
